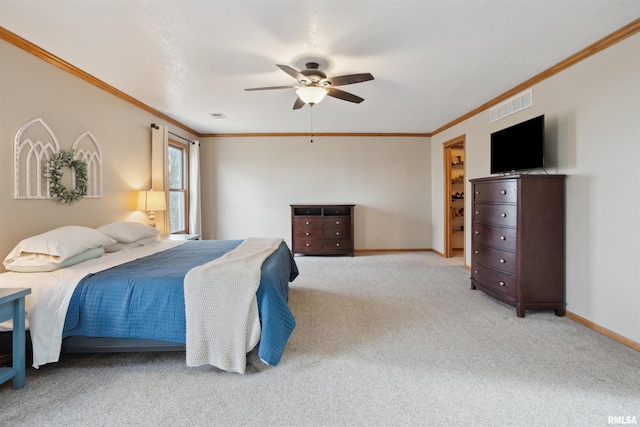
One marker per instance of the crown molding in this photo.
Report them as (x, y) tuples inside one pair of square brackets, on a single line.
[(316, 134)]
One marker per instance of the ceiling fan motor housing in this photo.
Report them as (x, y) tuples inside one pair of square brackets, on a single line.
[(314, 74)]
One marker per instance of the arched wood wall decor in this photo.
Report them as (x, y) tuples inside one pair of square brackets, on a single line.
[(35, 144)]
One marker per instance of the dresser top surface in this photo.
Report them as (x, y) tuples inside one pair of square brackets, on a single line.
[(323, 205), (517, 176)]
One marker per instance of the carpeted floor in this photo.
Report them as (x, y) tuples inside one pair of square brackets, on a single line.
[(381, 339)]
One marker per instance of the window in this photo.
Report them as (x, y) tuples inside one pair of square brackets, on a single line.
[(178, 165)]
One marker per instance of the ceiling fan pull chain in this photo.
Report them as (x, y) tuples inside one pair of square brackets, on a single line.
[(311, 108)]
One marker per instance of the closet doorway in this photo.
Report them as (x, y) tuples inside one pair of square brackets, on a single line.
[(454, 195)]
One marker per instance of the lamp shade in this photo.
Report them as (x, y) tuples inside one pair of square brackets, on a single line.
[(311, 94), (152, 201)]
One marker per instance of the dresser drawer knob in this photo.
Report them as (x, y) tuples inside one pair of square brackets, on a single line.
[(337, 244), (306, 234), (504, 215), (477, 192), (502, 283), (307, 222), (503, 192), (503, 238), (476, 252), (477, 213), (337, 233), (475, 271), (307, 244), (477, 232), (502, 260), (337, 222)]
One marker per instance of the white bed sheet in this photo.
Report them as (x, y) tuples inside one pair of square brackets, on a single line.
[(46, 306)]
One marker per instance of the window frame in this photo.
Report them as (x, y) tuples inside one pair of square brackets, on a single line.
[(185, 184)]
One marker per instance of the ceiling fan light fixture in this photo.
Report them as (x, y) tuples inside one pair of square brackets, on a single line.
[(311, 94)]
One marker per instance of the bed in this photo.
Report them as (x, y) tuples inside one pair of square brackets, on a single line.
[(135, 296)]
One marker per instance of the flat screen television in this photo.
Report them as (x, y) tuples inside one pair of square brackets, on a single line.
[(519, 147)]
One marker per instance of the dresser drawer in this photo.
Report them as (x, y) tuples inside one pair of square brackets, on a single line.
[(307, 223), (497, 237), (503, 191), (337, 245), (337, 221), (337, 232), (308, 233), (495, 258), (500, 283), (304, 245), (501, 215)]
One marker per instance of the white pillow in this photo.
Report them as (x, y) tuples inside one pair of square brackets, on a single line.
[(126, 245), (36, 263), (60, 243), (128, 232)]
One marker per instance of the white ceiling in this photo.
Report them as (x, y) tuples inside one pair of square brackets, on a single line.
[(432, 61)]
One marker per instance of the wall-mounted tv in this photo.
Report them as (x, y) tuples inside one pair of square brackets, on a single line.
[(519, 147)]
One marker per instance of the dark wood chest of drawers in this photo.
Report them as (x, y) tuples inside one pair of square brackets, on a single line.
[(322, 229), (518, 243)]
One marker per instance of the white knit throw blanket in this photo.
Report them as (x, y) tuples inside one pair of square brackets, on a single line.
[(221, 307)]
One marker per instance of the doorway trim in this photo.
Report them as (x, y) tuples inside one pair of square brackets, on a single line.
[(447, 146)]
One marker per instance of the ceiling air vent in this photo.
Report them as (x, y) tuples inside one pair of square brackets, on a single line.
[(512, 105), (218, 116)]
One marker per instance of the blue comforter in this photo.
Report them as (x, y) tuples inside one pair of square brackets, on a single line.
[(144, 298)]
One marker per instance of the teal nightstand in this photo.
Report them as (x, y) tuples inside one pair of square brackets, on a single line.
[(12, 307)]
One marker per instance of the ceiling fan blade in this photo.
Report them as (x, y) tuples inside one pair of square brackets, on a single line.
[(270, 88), (298, 104), (294, 73), (350, 79), (345, 96)]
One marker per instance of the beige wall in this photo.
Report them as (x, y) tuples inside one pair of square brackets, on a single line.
[(31, 88), (248, 184), (592, 114)]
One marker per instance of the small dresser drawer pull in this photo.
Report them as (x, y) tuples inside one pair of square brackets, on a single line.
[(477, 192), (307, 222), (306, 234), (502, 260), (337, 233), (307, 244), (504, 215), (475, 271), (502, 283), (503, 192), (477, 232), (337, 222), (476, 252), (337, 244), (477, 213), (503, 238)]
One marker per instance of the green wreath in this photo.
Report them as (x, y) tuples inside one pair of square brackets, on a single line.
[(54, 173)]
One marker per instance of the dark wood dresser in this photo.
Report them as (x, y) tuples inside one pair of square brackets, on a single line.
[(518, 243), (322, 229)]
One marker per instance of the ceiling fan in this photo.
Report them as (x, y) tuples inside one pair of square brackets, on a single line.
[(314, 85)]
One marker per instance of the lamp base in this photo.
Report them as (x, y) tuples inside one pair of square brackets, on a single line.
[(152, 219)]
